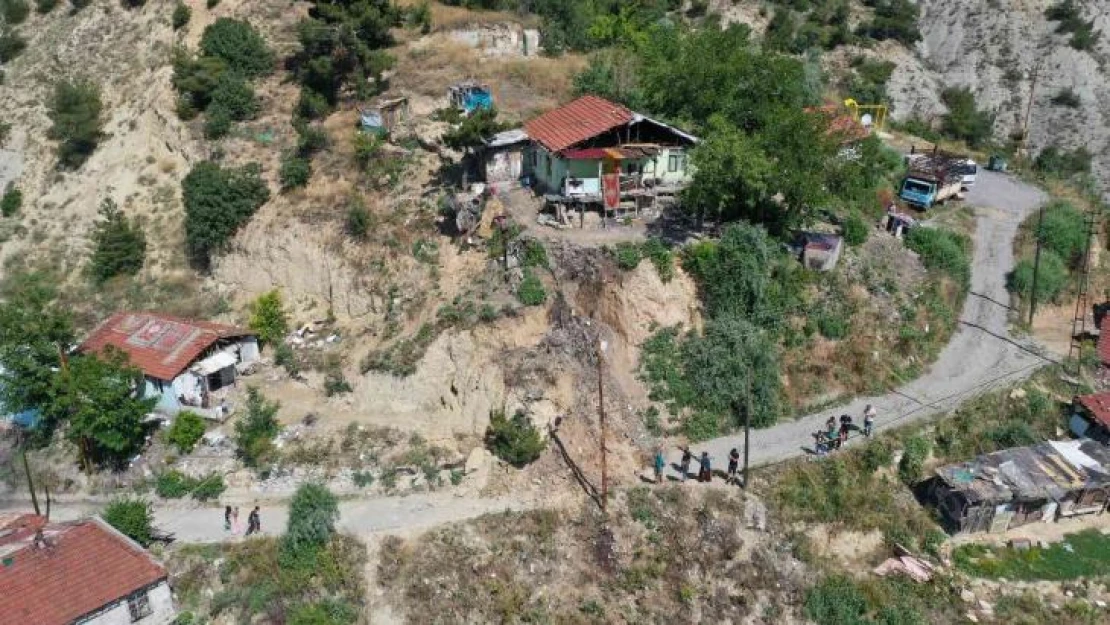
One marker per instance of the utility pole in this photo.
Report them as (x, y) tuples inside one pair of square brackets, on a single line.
[(1036, 268), (1029, 110), (601, 422), (747, 427)]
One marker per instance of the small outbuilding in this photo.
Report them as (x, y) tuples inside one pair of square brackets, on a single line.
[(504, 159), (187, 364), (385, 116), (470, 96)]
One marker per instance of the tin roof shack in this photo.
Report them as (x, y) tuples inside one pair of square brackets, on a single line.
[(576, 144), (1091, 416), (385, 117), (78, 572), (503, 159), (819, 251), (470, 96), (1014, 487), (188, 364)]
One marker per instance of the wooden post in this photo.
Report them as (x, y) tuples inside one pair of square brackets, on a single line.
[(601, 424), (601, 191), (747, 427), (1028, 113), (1036, 268)]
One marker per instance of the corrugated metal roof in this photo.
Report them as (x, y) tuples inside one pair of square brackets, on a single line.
[(577, 121), (82, 568), (507, 137), (162, 346), (1034, 472), (1097, 404)]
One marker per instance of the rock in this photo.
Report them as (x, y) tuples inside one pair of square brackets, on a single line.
[(967, 596), (1017, 393), (1100, 603), (985, 607), (971, 617), (477, 460), (1069, 594)]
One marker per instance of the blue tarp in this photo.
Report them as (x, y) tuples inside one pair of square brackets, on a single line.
[(477, 99)]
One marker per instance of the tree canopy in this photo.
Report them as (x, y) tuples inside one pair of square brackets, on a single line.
[(218, 201), (239, 45), (75, 111), (119, 244)]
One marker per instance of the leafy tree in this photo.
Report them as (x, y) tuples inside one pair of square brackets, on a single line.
[(218, 202), (255, 432), (313, 513), (1054, 161), (614, 74), (514, 440), (1052, 277), (732, 176), (913, 459), (341, 42), (11, 44), (892, 19), (474, 129), (197, 77), (99, 399), (119, 244), (181, 15), (75, 111), (268, 317), (11, 202), (132, 517), (35, 333), (963, 120), (234, 96), (14, 11), (238, 44), (295, 171), (186, 431)]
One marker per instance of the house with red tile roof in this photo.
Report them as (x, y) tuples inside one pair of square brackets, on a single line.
[(188, 364), (573, 145), (79, 572)]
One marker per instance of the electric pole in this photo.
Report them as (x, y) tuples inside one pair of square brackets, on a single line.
[(747, 427), (601, 424), (1036, 268), (1029, 110)]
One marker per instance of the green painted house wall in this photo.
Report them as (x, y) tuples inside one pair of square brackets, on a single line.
[(551, 169)]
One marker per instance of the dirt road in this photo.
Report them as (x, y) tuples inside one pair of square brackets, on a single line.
[(982, 355)]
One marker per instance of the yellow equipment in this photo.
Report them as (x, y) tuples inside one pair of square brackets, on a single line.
[(877, 112)]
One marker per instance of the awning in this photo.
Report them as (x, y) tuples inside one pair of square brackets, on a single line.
[(214, 363)]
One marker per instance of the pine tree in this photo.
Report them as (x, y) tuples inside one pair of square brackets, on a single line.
[(120, 244)]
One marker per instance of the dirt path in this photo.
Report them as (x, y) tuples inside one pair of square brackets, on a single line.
[(982, 355)]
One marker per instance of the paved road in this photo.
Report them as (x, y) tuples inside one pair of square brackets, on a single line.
[(982, 355), (200, 524)]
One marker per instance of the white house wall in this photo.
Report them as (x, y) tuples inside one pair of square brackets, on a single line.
[(161, 606), (248, 350)]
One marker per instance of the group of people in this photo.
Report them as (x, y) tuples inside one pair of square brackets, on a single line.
[(832, 437), (705, 465), (231, 521)]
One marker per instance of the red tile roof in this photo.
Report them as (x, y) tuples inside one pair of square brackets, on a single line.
[(1098, 406), (1104, 341), (83, 567), (573, 123), (162, 346)]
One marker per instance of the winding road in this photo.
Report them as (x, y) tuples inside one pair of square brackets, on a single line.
[(982, 355)]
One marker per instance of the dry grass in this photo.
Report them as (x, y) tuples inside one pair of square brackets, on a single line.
[(448, 17)]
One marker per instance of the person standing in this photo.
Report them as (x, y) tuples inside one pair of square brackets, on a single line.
[(820, 447), (227, 518), (845, 427), (254, 522), (733, 464), (705, 474), (235, 527), (660, 462), (687, 457), (831, 433), (868, 420)]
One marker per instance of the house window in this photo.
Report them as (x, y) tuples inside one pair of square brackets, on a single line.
[(676, 163), (138, 604)]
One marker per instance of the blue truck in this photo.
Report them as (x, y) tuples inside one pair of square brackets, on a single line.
[(934, 178)]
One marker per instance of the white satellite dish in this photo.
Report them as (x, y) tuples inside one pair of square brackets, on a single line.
[(866, 120)]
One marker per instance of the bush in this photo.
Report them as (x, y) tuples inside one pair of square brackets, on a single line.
[(534, 255), (531, 291), (211, 4), (132, 517), (1066, 97), (836, 600), (11, 202), (1064, 231), (514, 440), (217, 123), (942, 250), (119, 244), (79, 4), (661, 257), (235, 97), (255, 432), (181, 16), (336, 384), (11, 44), (963, 120), (217, 202), (831, 322), (5, 127), (1052, 277), (75, 111), (132, 4), (855, 230), (357, 224), (173, 485), (238, 44), (916, 451), (628, 255), (1061, 163), (310, 139), (295, 171), (284, 356), (45, 6), (186, 431), (893, 19), (209, 488), (313, 513), (268, 317), (876, 455), (14, 11)]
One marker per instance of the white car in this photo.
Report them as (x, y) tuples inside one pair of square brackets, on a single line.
[(968, 169)]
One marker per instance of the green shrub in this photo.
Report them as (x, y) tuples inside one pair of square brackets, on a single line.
[(186, 431), (79, 4), (914, 455), (876, 455), (11, 202), (217, 123), (285, 357), (362, 479), (661, 257), (1052, 277), (268, 317), (892, 19), (119, 244), (531, 291), (534, 255), (836, 600), (855, 230), (336, 384), (514, 440), (942, 250), (295, 171), (357, 224), (1064, 231), (313, 512), (239, 44), (831, 322), (1066, 97), (11, 44), (964, 121), (234, 96), (628, 255), (132, 517), (14, 11), (211, 4), (310, 139), (255, 432), (209, 487), (5, 127), (75, 111), (45, 6), (1054, 161), (173, 485), (217, 202), (132, 4), (181, 15)]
